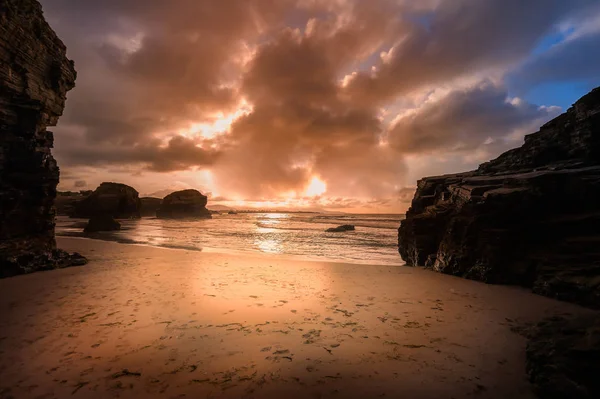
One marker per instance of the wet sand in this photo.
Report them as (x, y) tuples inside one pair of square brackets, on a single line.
[(157, 323)]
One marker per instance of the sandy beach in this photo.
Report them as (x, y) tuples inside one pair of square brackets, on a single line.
[(148, 322)]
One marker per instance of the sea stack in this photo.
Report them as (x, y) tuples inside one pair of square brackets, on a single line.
[(184, 204), (117, 200), (35, 76), (529, 217)]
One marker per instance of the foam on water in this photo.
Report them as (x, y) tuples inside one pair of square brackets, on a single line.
[(300, 235)]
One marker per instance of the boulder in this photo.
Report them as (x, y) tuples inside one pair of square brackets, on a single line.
[(150, 205), (563, 355), (35, 76), (341, 229), (184, 204), (529, 217), (117, 200), (102, 223)]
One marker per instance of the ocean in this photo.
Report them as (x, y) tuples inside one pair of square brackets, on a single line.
[(296, 235)]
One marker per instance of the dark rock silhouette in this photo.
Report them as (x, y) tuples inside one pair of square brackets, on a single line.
[(341, 229), (529, 217), (35, 76), (65, 202), (102, 223), (563, 357), (184, 204), (117, 200), (150, 205)]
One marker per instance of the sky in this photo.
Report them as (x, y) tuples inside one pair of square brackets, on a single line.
[(313, 104)]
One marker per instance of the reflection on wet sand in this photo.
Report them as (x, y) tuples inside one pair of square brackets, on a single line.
[(147, 322)]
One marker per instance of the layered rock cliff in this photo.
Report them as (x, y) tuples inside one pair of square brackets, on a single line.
[(35, 76), (529, 217)]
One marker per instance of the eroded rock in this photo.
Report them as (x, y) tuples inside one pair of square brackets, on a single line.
[(528, 217), (563, 356), (102, 223), (35, 76), (115, 199), (184, 204), (150, 205)]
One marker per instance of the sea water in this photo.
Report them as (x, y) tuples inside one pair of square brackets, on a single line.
[(298, 235)]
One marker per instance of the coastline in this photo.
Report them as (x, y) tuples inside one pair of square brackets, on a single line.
[(143, 321), (222, 251)]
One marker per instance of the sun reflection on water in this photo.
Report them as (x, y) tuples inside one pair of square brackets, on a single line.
[(267, 237)]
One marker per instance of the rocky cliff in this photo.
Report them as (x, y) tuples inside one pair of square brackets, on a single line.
[(529, 217), (35, 76)]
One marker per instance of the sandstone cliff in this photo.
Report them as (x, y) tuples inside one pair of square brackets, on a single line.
[(35, 76), (529, 217)]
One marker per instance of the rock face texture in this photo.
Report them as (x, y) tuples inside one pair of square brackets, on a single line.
[(563, 357), (114, 199), (529, 217), (184, 204), (150, 205), (35, 76), (102, 223)]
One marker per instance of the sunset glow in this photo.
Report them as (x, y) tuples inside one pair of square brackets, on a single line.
[(221, 124), (316, 187), (310, 103)]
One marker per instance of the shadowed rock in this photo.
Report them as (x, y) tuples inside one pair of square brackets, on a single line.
[(529, 217), (150, 205), (117, 200), (35, 76), (563, 356), (102, 223), (341, 229), (184, 204)]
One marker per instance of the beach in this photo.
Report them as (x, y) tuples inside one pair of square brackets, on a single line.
[(141, 321)]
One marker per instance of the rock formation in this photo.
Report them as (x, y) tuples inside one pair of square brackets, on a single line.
[(341, 229), (529, 217), (117, 200), (150, 205), (102, 223), (563, 356), (65, 202), (35, 76), (184, 204)]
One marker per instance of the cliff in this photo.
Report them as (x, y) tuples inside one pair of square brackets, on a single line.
[(35, 76), (528, 217)]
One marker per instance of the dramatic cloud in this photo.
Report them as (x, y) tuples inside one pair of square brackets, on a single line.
[(326, 103), (464, 120)]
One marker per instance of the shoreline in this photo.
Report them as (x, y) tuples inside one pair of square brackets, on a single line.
[(140, 321), (105, 237)]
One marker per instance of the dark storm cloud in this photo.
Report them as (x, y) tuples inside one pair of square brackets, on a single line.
[(178, 153)]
